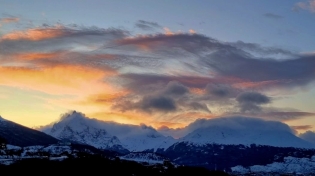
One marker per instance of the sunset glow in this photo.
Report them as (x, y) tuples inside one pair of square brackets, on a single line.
[(163, 70)]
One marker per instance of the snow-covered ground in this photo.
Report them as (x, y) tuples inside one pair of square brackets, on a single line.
[(150, 158), (290, 165), (52, 152)]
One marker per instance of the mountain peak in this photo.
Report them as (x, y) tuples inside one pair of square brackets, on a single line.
[(72, 115)]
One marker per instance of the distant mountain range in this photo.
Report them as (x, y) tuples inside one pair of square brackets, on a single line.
[(76, 127), (228, 143)]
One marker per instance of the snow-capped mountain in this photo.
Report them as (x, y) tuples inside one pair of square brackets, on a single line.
[(16, 134), (246, 131), (222, 135), (76, 127), (146, 138)]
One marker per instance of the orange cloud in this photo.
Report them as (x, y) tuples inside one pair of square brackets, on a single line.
[(302, 127), (36, 34), (126, 117), (244, 85), (9, 20), (135, 119), (167, 31), (104, 99), (105, 56), (174, 125), (148, 42), (37, 55), (188, 117), (192, 31), (62, 79), (197, 91)]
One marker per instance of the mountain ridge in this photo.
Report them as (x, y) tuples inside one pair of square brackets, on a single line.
[(20, 135)]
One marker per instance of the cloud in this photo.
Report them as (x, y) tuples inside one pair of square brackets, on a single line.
[(285, 115), (309, 6), (165, 43), (59, 31), (147, 25), (308, 136), (253, 98), (302, 127), (160, 103), (198, 107), (277, 114), (64, 79), (221, 90), (235, 122), (230, 59), (258, 49), (190, 81), (175, 77), (148, 104), (9, 20), (174, 88), (273, 16), (251, 101), (288, 73)]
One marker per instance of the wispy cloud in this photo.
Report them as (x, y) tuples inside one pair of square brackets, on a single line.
[(147, 25), (307, 5), (273, 16), (9, 20)]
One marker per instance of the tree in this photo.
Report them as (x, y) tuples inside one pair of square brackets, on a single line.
[(3, 143)]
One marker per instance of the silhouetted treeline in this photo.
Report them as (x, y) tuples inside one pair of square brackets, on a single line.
[(90, 165)]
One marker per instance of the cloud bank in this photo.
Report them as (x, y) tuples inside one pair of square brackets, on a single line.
[(163, 77)]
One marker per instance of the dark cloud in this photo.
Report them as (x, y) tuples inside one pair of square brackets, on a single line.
[(253, 98), (159, 103), (251, 101), (147, 25), (175, 88), (169, 97), (238, 59), (195, 106), (286, 115), (273, 16), (136, 80), (256, 48), (220, 90), (288, 73), (277, 114)]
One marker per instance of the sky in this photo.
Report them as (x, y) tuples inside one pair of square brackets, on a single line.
[(161, 63)]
